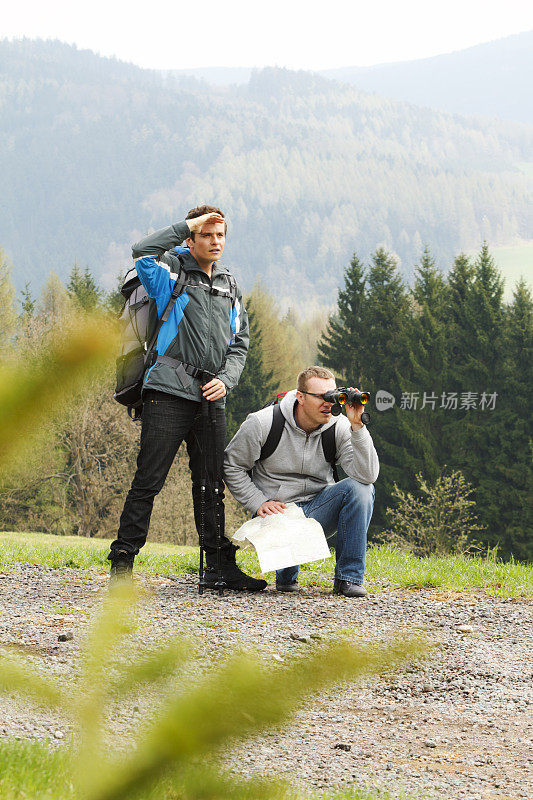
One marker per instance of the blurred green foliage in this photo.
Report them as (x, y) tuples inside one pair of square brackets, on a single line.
[(33, 387)]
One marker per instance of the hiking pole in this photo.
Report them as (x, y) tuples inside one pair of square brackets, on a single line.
[(217, 499), (203, 483)]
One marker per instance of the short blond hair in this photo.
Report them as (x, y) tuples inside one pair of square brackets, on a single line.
[(312, 372)]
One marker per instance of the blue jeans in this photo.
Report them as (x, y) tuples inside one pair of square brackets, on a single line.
[(345, 507)]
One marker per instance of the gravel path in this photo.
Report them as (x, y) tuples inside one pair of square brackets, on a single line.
[(458, 726)]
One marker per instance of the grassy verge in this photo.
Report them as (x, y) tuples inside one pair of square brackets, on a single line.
[(385, 566), (73, 551), (30, 769)]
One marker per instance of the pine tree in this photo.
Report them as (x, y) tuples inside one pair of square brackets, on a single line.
[(256, 385), (54, 304), (425, 377), (345, 328), (280, 352), (383, 349), (488, 309), (476, 315), (384, 317), (114, 299), (509, 512), (460, 323), (83, 289), (8, 314), (27, 304), (476, 375)]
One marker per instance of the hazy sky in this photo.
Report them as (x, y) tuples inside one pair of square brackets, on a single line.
[(169, 34)]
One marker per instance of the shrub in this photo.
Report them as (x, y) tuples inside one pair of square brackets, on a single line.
[(441, 521)]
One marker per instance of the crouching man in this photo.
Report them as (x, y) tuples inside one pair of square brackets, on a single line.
[(297, 471)]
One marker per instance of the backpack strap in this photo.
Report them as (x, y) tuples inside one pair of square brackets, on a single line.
[(274, 434), (232, 288), (330, 450)]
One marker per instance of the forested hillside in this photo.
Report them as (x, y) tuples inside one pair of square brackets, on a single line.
[(94, 152)]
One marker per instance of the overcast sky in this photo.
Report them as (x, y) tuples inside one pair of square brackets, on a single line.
[(168, 34)]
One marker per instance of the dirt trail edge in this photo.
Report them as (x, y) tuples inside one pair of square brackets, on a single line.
[(458, 725)]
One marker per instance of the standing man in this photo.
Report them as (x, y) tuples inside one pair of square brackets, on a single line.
[(298, 472), (200, 352)]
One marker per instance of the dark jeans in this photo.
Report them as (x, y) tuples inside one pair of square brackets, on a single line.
[(168, 420)]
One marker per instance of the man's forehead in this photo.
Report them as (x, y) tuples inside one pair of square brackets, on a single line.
[(320, 385), (212, 227)]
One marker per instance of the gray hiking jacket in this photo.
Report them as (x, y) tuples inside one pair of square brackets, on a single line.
[(204, 329), (297, 470)]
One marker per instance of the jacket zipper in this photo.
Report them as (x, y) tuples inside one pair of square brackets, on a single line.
[(210, 314), (303, 460)]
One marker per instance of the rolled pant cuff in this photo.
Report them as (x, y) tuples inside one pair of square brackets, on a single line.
[(350, 578)]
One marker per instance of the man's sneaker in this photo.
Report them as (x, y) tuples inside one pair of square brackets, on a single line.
[(233, 578), (348, 589), (287, 587), (121, 571)]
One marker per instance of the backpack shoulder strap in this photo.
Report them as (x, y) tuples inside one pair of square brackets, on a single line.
[(330, 450), (274, 434), (179, 286), (232, 288)]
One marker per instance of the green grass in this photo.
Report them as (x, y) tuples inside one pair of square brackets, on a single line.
[(31, 770), (488, 575), (72, 551), (385, 565)]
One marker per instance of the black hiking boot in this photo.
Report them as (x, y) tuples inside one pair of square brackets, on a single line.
[(121, 569), (233, 578)]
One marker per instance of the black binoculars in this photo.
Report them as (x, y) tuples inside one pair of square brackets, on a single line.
[(343, 396)]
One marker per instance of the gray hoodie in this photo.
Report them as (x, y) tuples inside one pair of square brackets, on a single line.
[(298, 469)]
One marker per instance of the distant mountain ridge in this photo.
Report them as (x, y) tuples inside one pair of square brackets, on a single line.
[(95, 152), (493, 78)]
